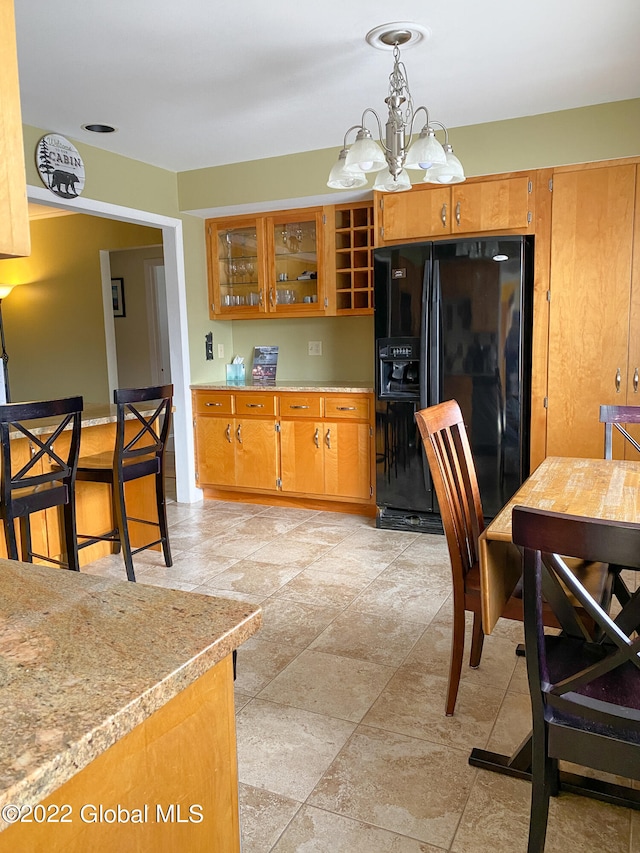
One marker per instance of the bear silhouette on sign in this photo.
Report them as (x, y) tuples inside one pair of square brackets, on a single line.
[(64, 183)]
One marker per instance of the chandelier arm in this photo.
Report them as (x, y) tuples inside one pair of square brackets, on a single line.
[(413, 118), (446, 132), (354, 127), (377, 118)]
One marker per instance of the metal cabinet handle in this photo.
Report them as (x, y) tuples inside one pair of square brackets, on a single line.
[(261, 298), (272, 300), (327, 439), (254, 405), (227, 433), (316, 438), (618, 380), (458, 213), (239, 434), (443, 215), (346, 408), (298, 407), (213, 404), (635, 381)]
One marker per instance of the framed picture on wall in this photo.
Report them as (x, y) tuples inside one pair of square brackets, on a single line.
[(117, 294)]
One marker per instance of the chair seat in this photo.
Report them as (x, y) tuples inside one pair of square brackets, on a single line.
[(36, 498), (618, 690), (100, 467)]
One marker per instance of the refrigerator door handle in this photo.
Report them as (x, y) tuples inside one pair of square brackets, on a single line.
[(434, 342)]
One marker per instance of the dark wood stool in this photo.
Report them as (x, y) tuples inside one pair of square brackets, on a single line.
[(139, 456), (46, 479)]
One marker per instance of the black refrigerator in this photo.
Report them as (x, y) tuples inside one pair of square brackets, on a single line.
[(452, 321)]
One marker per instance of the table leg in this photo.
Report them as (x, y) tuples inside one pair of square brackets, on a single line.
[(518, 765)]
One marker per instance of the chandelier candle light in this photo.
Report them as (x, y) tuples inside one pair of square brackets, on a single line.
[(391, 158)]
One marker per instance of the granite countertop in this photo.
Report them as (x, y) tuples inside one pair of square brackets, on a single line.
[(326, 387), (84, 659), (93, 414)]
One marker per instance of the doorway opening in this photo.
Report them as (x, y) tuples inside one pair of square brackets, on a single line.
[(174, 304)]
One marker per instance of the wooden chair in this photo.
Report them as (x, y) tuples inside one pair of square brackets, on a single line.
[(585, 696), (139, 456), (455, 482), (42, 479), (616, 416)]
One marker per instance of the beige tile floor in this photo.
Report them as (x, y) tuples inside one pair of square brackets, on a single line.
[(343, 746)]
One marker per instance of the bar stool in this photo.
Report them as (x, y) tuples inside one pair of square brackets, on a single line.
[(141, 455), (44, 477)]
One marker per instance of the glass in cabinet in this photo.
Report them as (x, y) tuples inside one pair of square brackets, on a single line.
[(294, 270), (236, 267)]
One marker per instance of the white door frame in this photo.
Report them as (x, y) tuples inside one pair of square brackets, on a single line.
[(173, 251), (157, 323)]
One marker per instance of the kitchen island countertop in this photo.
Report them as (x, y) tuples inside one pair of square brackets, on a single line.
[(85, 659)]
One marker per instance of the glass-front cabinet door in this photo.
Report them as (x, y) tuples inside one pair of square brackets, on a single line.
[(295, 282), (236, 267)]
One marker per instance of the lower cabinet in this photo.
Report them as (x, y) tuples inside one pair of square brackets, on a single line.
[(303, 446)]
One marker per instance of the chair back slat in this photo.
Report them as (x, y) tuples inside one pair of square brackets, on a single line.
[(154, 421), (42, 423), (455, 481), (586, 680), (615, 417)]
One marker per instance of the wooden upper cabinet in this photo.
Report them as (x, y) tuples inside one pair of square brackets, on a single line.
[(266, 266), (590, 343), (497, 205), (501, 204), (14, 217), (415, 214)]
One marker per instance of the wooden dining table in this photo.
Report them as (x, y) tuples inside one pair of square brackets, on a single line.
[(594, 488)]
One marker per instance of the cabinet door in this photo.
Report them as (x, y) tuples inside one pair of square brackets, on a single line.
[(235, 251), (591, 253), (419, 213), (15, 239), (633, 370), (295, 280), (215, 451), (496, 205), (347, 460), (256, 444), (302, 456)]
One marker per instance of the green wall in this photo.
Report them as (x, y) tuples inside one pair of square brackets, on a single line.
[(572, 136), (54, 321)]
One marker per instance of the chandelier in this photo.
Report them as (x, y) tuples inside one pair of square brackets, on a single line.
[(395, 154)]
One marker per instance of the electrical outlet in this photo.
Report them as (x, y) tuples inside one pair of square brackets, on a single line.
[(220, 350), (315, 347)]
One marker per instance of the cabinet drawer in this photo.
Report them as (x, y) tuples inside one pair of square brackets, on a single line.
[(355, 406), (300, 405), (255, 404), (213, 403)]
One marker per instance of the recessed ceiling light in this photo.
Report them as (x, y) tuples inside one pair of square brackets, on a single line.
[(99, 128), (501, 257)]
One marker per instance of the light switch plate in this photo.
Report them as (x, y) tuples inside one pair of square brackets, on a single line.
[(315, 347), (220, 350)]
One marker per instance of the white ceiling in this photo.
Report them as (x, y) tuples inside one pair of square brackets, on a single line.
[(201, 83)]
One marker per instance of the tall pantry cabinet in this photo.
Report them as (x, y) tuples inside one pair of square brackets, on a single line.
[(594, 308)]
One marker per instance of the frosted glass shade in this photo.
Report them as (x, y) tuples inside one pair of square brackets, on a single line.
[(341, 178), (451, 173), (365, 155), (425, 152), (386, 183)]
